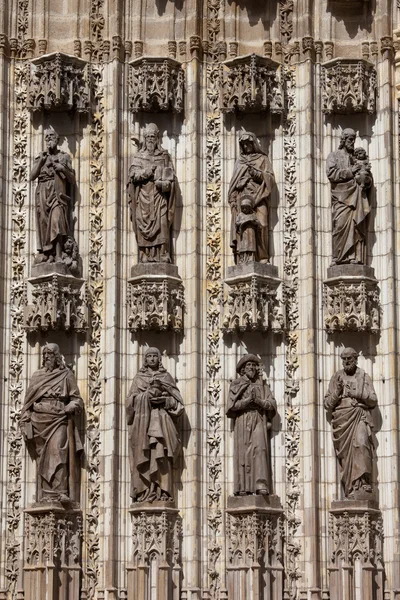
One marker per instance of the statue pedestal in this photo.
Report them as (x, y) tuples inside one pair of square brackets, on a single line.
[(351, 299), (55, 300), (356, 550), (52, 555), (255, 299), (155, 570), (255, 545), (155, 298)]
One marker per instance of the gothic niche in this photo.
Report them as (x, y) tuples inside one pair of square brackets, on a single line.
[(254, 301), (59, 82), (153, 408), (156, 85), (55, 293), (155, 291), (351, 293), (348, 86), (254, 513), (250, 84)]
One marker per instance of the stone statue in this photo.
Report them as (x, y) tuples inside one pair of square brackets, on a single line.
[(252, 406), (153, 405), (151, 189), (252, 177), (47, 424), (351, 181), (350, 399), (55, 175)]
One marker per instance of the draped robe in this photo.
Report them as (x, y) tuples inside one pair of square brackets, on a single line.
[(251, 425), (153, 438), (352, 424)]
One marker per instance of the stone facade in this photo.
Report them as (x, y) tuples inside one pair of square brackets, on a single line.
[(295, 74)]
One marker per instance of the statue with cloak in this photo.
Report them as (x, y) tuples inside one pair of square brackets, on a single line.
[(47, 424), (351, 181), (350, 399), (151, 190), (153, 405), (251, 406), (253, 178)]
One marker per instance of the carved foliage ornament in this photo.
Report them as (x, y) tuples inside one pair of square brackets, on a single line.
[(250, 84), (59, 82), (348, 86), (156, 84)]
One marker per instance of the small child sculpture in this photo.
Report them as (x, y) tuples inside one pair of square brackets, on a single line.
[(247, 228)]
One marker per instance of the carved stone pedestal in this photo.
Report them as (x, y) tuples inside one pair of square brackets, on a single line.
[(254, 537), (55, 300), (155, 570), (155, 298), (52, 561), (351, 299), (356, 557), (254, 301)]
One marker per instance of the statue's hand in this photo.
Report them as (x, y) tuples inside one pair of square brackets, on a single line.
[(355, 169), (159, 185), (70, 409), (256, 175), (58, 167), (241, 184)]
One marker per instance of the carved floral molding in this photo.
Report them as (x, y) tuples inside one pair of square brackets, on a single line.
[(348, 86), (156, 85), (59, 82), (250, 84)]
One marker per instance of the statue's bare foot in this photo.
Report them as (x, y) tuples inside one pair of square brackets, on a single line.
[(263, 492), (165, 258)]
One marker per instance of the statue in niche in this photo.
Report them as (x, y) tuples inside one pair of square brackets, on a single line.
[(151, 189), (349, 172), (55, 175), (47, 424), (350, 399), (253, 178), (252, 406), (153, 405)]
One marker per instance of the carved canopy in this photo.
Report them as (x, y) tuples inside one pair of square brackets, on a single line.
[(348, 86), (156, 85)]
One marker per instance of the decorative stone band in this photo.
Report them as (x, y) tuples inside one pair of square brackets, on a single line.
[(56, 302), (254, 301), (59, 82), (155, 569), (356, 550), (52, 561), (250, 83), (156, 85), (348, 86), (155, 298), (255, 542), (351, 299)]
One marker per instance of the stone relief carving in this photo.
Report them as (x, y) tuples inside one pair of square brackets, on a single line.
[(250, 84), (55, 175), (348, 86), (157, 537), (156, 84), (350, 399), (153, 405), (251, 406), (96, 291), (250, 187), (53, 547), (59, 82), (352, 304), (47, 423), (349, 172), (151, 189)]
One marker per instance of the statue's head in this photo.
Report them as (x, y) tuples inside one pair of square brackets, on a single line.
[(51, 357), (248, 365), (349, 359), (360, 153), (151, 137), (152, 358), (70, 246), (247, 205), (347, 140), (51, 138), (247, 142)]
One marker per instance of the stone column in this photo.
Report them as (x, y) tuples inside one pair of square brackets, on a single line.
[(155, 569), (356, 559), (52, 561), (254, 539)]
